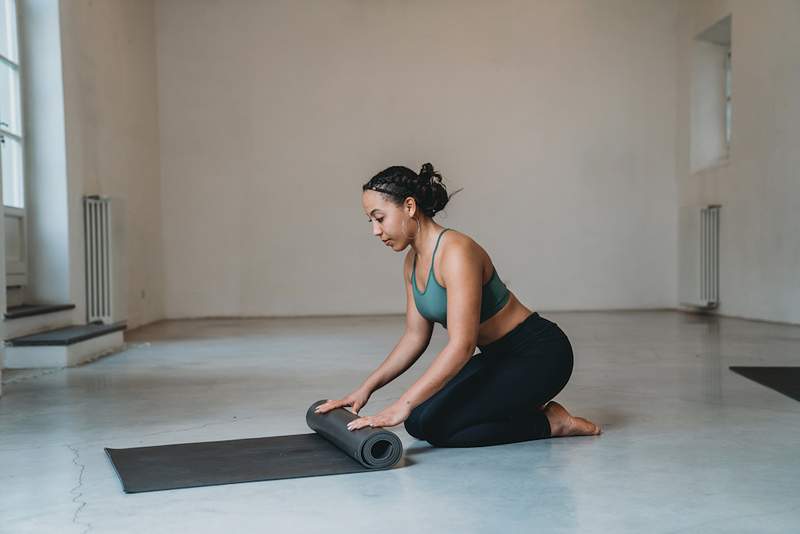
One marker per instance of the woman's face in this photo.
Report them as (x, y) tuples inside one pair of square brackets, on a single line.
[(387, 219)]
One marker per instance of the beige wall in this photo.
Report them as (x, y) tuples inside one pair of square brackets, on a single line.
[(111, 115), (759, 187), (239, 135), (558, 119)]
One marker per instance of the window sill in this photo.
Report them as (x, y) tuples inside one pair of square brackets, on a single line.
[(720, 164)]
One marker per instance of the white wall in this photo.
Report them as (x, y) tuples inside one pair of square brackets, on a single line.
[(759, 188), (111, 114), (558, 119)]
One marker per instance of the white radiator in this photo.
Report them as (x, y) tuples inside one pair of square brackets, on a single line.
[(105, 265), (698, 251)]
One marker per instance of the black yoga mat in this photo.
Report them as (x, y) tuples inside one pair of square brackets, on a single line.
[(784, 380), (332, 449)]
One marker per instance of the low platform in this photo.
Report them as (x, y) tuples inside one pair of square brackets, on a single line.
[(63, 347), (34, 318), (29, 310)]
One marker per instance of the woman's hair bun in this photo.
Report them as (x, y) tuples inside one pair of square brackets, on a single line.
[(433, 193), (428, 175)]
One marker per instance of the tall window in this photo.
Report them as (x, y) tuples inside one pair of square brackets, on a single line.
[(11, 149), (11, 135), (711, 96)]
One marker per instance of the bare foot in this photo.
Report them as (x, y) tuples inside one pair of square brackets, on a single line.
[(562, 423)]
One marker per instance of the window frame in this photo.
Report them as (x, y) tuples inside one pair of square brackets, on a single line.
[(16, 265)]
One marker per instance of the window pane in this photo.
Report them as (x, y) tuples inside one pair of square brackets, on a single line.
[(728, 77), (9, 99), (11, 153), (728, 121), (8, 29)]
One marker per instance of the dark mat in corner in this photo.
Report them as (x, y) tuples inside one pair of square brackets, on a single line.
[(331, 450), (784, 380)]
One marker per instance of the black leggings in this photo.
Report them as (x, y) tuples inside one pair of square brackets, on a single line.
[(493, 399)]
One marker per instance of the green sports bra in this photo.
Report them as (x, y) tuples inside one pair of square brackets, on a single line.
[(432, 303)]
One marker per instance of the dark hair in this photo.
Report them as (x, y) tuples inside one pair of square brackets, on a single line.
[(398, 183)]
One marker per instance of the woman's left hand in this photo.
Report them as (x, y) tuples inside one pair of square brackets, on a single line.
[(390, 416)]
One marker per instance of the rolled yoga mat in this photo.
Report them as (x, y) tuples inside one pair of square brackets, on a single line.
[(331, 450)]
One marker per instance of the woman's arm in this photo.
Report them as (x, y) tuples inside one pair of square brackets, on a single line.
[(463, 274), (415, 340), (405, 353)]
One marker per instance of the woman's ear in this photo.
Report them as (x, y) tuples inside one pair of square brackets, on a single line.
[(411, 206)]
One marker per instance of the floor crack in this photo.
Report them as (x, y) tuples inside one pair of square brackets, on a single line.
[(75, 492)]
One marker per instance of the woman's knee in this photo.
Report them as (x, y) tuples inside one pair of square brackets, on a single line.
[(421, 423), (413, 424), (422, 426)]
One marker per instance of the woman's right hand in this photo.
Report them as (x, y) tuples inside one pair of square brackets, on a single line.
[(357, 399)]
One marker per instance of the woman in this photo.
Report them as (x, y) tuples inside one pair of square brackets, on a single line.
[(462, 400)]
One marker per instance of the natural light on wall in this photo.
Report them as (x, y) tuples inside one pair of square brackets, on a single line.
[(11, 135)]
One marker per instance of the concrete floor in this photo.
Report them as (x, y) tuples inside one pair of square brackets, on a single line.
[(688, 446)]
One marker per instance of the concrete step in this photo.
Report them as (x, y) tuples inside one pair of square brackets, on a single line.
[(32, 318), (29, 310), (63, 347)]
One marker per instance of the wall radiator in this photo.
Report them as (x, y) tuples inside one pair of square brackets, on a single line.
[(105, 278), (698, 238)]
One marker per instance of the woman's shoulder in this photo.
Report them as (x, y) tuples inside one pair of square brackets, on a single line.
[(450, 240), (458, 244), (457, 239)]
